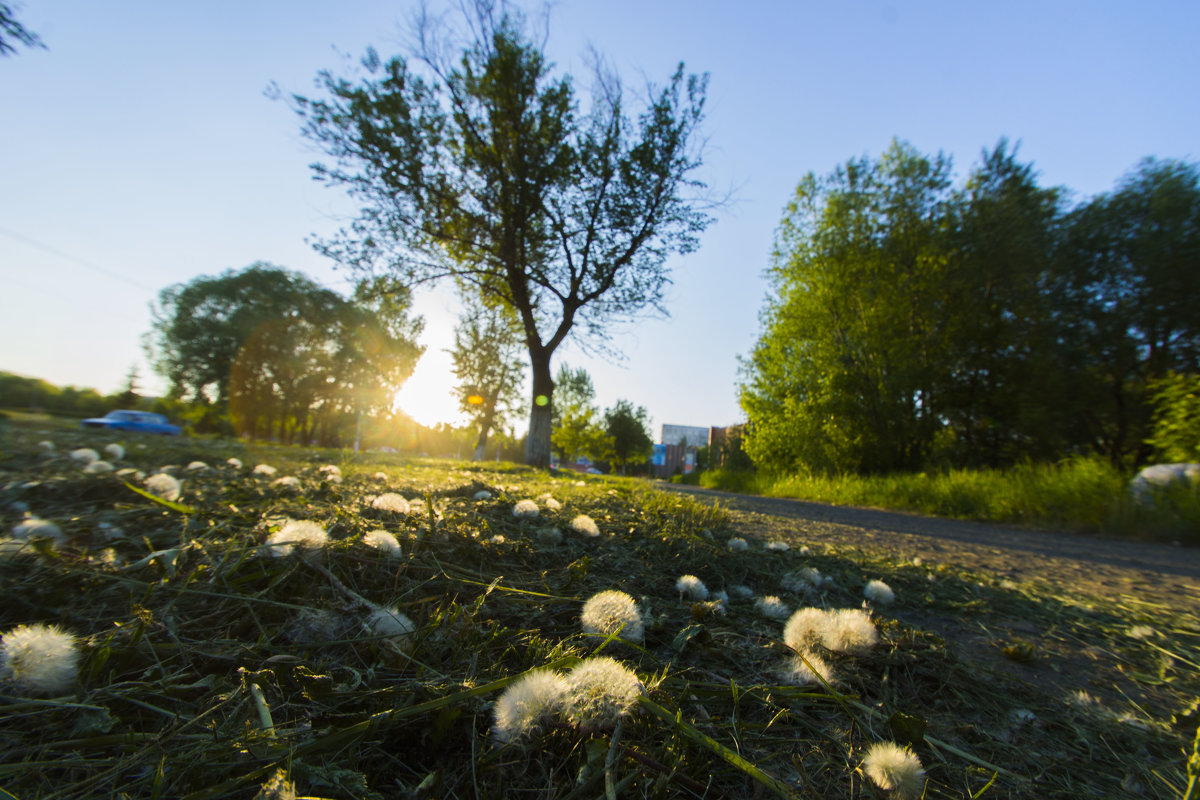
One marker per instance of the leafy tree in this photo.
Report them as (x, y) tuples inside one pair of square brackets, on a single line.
[(580, 433), (1175, 434), (483, 169), (628, 429), (11, 30), (487, 363), (573, 389)]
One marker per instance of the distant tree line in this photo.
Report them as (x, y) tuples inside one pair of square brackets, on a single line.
[(915, 324), (21, 393)]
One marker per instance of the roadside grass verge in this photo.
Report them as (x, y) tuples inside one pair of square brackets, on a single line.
[(1086, 495), (209, 667)]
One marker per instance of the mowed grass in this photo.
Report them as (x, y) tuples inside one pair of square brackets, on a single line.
[(208, 666), (1082, 494)]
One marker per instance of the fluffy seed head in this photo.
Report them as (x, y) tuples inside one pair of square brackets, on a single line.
[(553, 504), (382, 540), (585, 525), (40, 659), (799, 673), (85, 455), (114, 451), (236, 463), (390, 501), (528, 703), (895, 769), (737, 544), (772, 607), (780, 546), (390, 622), (196, 466), (548, 537), (163, 485), (847, 630), (611, 611), (804, 580), (330, 469), (483, 494), (286, 483), (305, 534), (34, 528), (691, 588), (265, 470), (46, 446), (99, 468), (600, 691), (879, 592), (526, 509)]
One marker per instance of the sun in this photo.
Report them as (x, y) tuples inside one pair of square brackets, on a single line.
[(428, 396)]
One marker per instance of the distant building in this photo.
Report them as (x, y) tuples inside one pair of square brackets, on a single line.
[(677, 448)]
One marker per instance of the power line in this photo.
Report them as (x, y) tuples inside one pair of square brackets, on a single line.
[(76, 259)]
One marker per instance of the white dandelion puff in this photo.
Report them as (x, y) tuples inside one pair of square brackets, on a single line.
[(528, 703), (46, 446), (99, 468), (600, 691), (737, 544), (41, 659), (804, 628), (585, 525), (772, 607), (525, 509), (11, 548), (1141, 632), (804, 580), (236, 463), (691, 588), (849, 630), (382, 540), (305, 534), (390, 622), (330, 469), (265, 470), (483, 494), (553, 504), (879, 592), (35, 528), (741, 592), (85, 455), (114, 451), (390, 501), (287, 483), (196, 466), (777, 545), (497, 539), (894, 769), (799, 673), (611, 611), (131, 474)]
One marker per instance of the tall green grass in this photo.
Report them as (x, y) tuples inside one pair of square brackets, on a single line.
[(1079, 494)]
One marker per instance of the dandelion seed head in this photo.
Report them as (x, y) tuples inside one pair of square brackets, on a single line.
[(265, 470), (776, 545), (879, 592), (610, 611), (772, 607), (737, 544), (163, 485), (691, 588), (849, 630), (804, 628), (305, 534), (390, 501), (799, 673), (236, 463), (11, 548), (390, 622), (528, 703), (380, 476), (288, 483), (382, 540), (553, 504), (1141, 632), (85, 455), (894, 769), (40, 659), (196, 466), (46, 446), (99, 468), (548, 537), (741, 592), (804, 580), (497, 539), (35, 528), (483, 494), (600, 691), (330, 469), (525, 509), (114, 451), (131, 474), (585, 525)]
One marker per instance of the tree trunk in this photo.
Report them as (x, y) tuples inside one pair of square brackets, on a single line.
[(537, 444), (481, 442)]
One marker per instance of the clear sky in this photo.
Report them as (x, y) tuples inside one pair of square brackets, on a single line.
[(139, 150)]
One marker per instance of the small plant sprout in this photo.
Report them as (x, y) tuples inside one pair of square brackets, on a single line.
[(114, 451), (390, 501), (99, 468), (84, 455), (35, 528), (600, 691), (772, 607), (384, 541), (585, 525), (525, 509), (879, 593), (483, 494), (39, 659), (805, 671), (163, 485), (288, 483), (196, 466), (304, 534), (691, 588), (737, 544), (265, 471), (528, 703), (612, 612), (894, 769), (236, 463)]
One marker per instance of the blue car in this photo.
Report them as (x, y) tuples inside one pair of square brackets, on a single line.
[(135, 421)]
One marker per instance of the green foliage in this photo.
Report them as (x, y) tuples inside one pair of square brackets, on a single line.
[(11, 30), (20, 392), (1175, 436), (486, 356), (628, 429), (474, 161)]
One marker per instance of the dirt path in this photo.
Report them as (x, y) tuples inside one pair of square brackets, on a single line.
[(1161, 573)]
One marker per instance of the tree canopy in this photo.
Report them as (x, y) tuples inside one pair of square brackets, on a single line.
[(483, 168), (628, 429), (487, 363)]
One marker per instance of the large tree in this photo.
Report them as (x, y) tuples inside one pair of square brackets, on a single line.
[(487, 363), (629, 430), (482, 168)]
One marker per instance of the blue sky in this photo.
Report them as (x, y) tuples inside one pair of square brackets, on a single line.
[(139, 150)]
